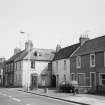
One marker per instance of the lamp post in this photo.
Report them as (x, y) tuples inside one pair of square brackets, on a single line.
[(27, 72)]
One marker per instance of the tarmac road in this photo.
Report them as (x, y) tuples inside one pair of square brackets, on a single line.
[(9, 96)]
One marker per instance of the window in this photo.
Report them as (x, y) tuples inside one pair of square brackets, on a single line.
[(32, 64), (104, 58), (102, 79), (78, 62), (35, 54), (64, 64), (92, 60), (64, 77), (40, 54), (73, 77), (57, 65)]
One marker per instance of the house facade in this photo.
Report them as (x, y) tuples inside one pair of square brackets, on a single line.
[(61, 65), (88, 65), (31, 67), (2, 60)]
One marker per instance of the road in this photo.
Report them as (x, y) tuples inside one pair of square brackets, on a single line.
[(10, 96)]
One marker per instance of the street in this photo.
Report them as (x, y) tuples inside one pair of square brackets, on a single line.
[(10, 96)]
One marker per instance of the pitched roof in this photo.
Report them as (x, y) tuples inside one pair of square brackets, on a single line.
[(18, 56), (91, 46), (46, 55), (66, 52), (43, 54)]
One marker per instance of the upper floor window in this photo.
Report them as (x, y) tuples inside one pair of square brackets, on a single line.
[(64, 64), (32, 64), (57, 65), (78, 62), (92, 60), (64, 77)]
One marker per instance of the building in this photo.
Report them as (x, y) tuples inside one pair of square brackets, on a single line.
[(2, 60), (2, 63), (29, 68), (88, 65), (61, 64)]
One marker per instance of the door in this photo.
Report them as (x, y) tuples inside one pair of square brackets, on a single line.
[(34, 81), (53, 81), (93, 80)]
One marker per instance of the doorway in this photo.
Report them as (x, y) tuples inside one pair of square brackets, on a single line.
[(93, 80), (34, 81), (53, 81)]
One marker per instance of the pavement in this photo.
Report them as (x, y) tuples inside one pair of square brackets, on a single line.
[(82, 99)]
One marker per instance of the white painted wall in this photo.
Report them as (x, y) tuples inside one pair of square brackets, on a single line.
[(18, 73), (40, 68), (61, 72)]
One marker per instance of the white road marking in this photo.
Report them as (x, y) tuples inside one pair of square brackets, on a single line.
[(27, 104), (16, 99)]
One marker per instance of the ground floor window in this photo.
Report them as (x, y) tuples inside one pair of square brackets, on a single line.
[(81, 79), (102, 79), (57, 80), (72, 76)]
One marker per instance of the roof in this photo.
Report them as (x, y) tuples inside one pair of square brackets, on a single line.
[(18, 56), (46, 55), (91, 46), (66, 52), (43, 54)]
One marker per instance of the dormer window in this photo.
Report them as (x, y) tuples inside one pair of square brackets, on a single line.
[(35, 54)]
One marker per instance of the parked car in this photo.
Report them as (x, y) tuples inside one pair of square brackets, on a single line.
[(69, 87)]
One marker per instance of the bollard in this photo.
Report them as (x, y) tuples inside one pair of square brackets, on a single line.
[(46, 90)]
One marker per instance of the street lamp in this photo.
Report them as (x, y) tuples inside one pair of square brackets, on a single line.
[(28, 73)]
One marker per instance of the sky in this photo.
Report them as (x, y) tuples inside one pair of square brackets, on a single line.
[(48, 22)]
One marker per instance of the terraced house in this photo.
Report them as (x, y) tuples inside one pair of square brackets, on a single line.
[(88, 65), (30, 67), (61, 64)]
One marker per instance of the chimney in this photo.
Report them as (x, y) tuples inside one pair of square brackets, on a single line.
[(83, 39), (28, 45), (2, 60), (16, 50), (58, 47)]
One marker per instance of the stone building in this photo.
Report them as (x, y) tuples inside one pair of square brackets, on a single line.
[(29, 68), (88, 65), (61, 64)]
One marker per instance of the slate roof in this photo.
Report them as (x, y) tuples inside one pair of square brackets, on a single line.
[(91, 46), (66, 52), (47, 55), (18, 56)]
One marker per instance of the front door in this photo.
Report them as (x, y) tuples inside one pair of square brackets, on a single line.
[(34, 82), (93, 80)]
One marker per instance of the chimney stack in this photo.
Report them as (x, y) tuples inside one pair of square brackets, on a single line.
[(83, 39), (16, 50), (28, 45), (58, 47)]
